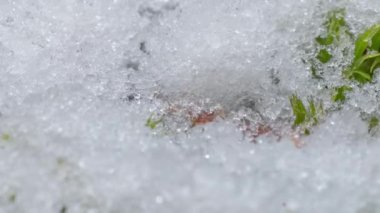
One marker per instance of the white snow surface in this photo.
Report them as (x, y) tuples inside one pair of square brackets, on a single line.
[(79, 79)]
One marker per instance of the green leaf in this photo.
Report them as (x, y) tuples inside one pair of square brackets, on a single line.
[(339, 94), (365, 39), (375, 45), (313, 112), (373, 122), (367, 55), (151, 123), (360, 61), (305, 117), (361, 76), (325, 41), (324, 56), (375, 65), (299, 110)]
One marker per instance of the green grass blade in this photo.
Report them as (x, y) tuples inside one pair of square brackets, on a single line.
[(299, 110), (375, 65), (363, 41), (361, 76)]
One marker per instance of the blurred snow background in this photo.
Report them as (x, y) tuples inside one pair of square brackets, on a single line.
[(79, 78)]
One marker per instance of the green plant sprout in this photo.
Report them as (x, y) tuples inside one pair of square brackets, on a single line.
[(372, 123), (339, 94), (305, 117), (335, 24), (366, 57), (315, 111), (335, 27), (299, 110), (365, 61), (152, 123)]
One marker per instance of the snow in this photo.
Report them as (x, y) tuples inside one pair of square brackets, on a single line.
[(80, 78)]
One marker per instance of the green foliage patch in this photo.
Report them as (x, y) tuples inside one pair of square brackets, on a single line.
[(339, 94), (367, 56), (152, 123), (305, 117)]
